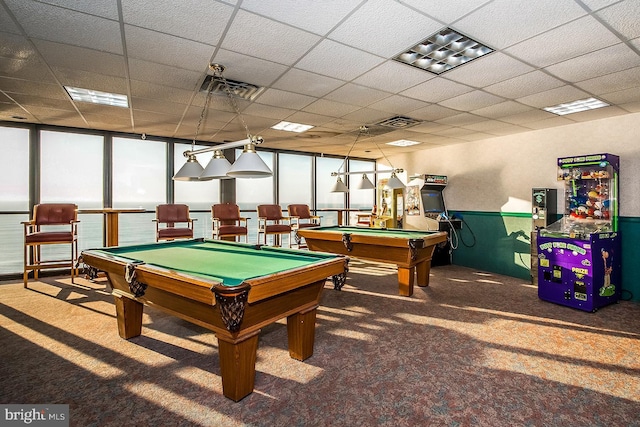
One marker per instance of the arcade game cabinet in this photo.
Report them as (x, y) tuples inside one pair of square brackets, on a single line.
[(426, 210), (579, 255)]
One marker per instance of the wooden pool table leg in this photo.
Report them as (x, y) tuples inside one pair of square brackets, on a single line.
[(238, 365), (129, 315), (423, 268), (301, 331), (405, 280)]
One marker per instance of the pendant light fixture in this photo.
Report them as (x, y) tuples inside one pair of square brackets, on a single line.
[(248, 165)]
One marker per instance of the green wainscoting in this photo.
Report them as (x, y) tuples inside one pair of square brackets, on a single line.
[(500, 242)]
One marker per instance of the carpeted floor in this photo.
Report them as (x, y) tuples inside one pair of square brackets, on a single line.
[(473, 349)]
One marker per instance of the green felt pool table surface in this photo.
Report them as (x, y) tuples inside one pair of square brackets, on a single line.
[(227, 262)]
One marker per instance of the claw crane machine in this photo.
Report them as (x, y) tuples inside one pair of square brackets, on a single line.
[(579, 256)]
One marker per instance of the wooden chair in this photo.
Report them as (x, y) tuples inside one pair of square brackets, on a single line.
[(52, 224), (227, 222), (301, 218), (167, 216), (271, 221)]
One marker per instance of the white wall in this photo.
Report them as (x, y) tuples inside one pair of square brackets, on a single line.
[(498, 174)]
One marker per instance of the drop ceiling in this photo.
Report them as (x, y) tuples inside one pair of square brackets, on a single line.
[(323, 63)]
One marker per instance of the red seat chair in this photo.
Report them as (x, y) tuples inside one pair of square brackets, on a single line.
[(271, 221), (227, 222), (52, 224), (301, 218), (167, 216)]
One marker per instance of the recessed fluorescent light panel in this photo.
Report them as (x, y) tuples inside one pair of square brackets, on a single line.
[(576, 106), (291, 127), (443, 51), (97, 97), (403, 143)]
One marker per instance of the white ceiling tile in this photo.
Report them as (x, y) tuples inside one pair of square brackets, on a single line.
[(26, 87), (623, 17), (311, 15), (15, 46), (206, 26), (284, 99), (598, 4), (367, 116), (330, 108), (595, 64), (398, 104), (384, 28), (242, 68), (357, 95), (308, 118), (524, 85), (87, 80), (555, 96), (505, 22), (502, 109), (165, 49), (166, 75), (613, 82), (487, 70), (8, 26), (576, 38), (599, 113), (433, 112), (105, 9), (80, 58), (446, 10), (534, 115), (394, 77), (267, 39), (154, 91), (462, 119), (66, 26), (30, 68), (307, 83), (337, 60), (436, 90), (622, 96), (269, 111)]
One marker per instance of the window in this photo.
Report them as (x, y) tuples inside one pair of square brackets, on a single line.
[(324, 184), (294, 179), (139, 180), (71, 171), (361, 198), (14, 195)]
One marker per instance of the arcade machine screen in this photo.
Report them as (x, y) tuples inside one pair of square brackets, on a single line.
[(432, 202)]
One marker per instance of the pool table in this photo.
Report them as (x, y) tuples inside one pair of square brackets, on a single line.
[(231, 288), (410, 250)]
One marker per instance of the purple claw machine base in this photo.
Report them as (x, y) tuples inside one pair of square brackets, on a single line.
[(583, 274), (579, 256)]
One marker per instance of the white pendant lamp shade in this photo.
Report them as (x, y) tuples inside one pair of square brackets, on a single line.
[(217, 168), (191, 170), (394, 182), (365, 183), (249, 165), (340, 187)]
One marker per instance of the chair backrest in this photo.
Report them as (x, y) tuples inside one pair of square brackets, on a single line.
[(226, 211), (171, 213), (55, 213), (271, 212), (301, 211)]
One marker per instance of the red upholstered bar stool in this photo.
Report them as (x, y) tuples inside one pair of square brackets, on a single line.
[(301, 218), (227, 222), (271, 221), (52, 224), (167, 216)]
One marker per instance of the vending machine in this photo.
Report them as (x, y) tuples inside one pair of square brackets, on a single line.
[(579, 256)]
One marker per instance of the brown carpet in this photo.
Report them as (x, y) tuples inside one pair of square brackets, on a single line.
[(473, 349)]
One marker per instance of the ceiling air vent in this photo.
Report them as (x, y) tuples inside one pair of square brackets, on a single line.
[(399, 122), (239, 89)]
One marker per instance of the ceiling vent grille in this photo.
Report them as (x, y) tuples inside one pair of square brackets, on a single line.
[(238, 89), (399, 122)]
